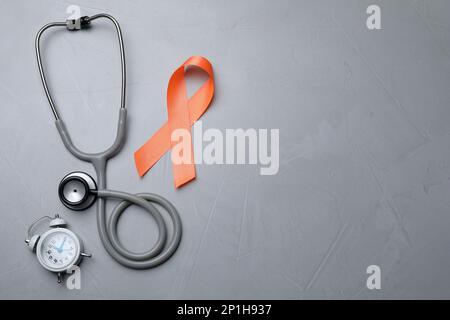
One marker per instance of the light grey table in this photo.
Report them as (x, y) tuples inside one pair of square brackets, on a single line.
[(364, 146)]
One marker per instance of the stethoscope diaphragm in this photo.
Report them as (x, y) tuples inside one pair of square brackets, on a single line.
[(77, 191)]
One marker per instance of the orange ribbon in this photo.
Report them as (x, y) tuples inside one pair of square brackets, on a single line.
[(182, 114)]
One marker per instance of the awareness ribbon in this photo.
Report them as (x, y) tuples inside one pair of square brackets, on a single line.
[(183, 112)]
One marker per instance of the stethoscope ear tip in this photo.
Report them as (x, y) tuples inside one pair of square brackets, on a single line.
[(77, 191)]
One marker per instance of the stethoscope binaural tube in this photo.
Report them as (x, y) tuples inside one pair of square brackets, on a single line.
[(108, 228), (85, 24)]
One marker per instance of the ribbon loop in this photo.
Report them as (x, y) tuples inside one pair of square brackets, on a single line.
[(182, 112)]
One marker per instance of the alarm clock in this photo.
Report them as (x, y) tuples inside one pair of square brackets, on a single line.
[(57, 249)]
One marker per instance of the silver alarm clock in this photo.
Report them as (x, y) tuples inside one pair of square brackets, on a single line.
[(58, 249)]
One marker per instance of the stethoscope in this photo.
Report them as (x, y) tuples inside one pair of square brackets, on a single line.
[(78, 190)]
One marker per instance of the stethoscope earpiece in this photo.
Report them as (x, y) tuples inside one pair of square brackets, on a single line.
[(77, 191)]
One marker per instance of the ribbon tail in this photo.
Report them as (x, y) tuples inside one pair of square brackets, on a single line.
[(186, 175), (152, 150), (178, 112)]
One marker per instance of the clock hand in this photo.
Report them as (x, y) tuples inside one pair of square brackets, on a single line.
[(60, 249)]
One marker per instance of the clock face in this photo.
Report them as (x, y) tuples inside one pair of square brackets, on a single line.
[(58, 249)]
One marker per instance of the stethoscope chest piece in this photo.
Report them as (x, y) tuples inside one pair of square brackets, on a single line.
[(77, 191)]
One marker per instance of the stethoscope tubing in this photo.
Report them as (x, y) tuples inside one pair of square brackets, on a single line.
[(160, 252)]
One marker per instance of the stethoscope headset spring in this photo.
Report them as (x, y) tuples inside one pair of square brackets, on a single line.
[(78, 190)]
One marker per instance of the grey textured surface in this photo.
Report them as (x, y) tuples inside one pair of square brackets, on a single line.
[(364, 146)]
